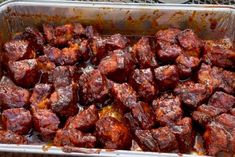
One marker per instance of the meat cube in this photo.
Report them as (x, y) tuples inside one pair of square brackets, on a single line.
[(167, 109), (66, 56), (12, 96), (78, 30), (9, 137), (60, 35), (40, 95), (222, 100), (62, 76), (167, 35), (142, 80), (146, 141), (221, 57), (86, 119), (186, 65), (45, 122), (25, 72), (64, 100), (216, 138), (168, 52), (98, 49), (167, 76), (116, 41), (144, 54), (44, 64), (35, 37), (82, 48), (205, 114), (184, 133), (94, 87), (143, 113), (113, 134), (18, 120), (190, 42), (227, 120), (117, 65), (192, 94), (73, 137), (124, 94), (166, 139), (217, 78), (15, 50)]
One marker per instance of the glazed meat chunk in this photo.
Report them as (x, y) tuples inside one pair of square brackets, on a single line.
[(93, 87), (143, 113), (186, 65), (9, 137), (184, 133), (218, 56), (166, 139), (64, 100), (190, 42), (124, 94), (167, 76), (12, 96), (217, 78), (192, 94), (35, 37), (40, 96), (98, 49), (117, 65), (142, 80), (18, 120), (115, 110), (15, 50), (73, 137), (168, 52), (60, 35), (86, 119), (218, 103), (167, 109), (44, 64), (62, 76), (116, 41), (219, 135), (144, 54), (157, 140), (25, 72), (113, 134), (66, 56), (146, 141), (133, 123), (45, 122), (167, 35)]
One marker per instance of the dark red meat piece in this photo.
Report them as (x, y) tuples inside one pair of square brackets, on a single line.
[(45, 122), (9, 137), (117, 65), (167, 76), (143, 53), (143, 113), (186, 65), (86, 119), (64, 100), (74, 137), (192, 94), (113, 134), (167, 109), (25, 72), (116, 41), (124, 94), (12, 96), (167, 35), (93, 87), (18, 120), (142, 80)]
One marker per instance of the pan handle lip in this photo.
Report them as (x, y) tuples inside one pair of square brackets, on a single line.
[(119, 4)]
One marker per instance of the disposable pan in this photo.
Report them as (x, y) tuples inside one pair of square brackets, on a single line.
[(208, 21)]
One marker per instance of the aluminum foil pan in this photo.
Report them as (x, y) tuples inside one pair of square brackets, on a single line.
[(209, 21)]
